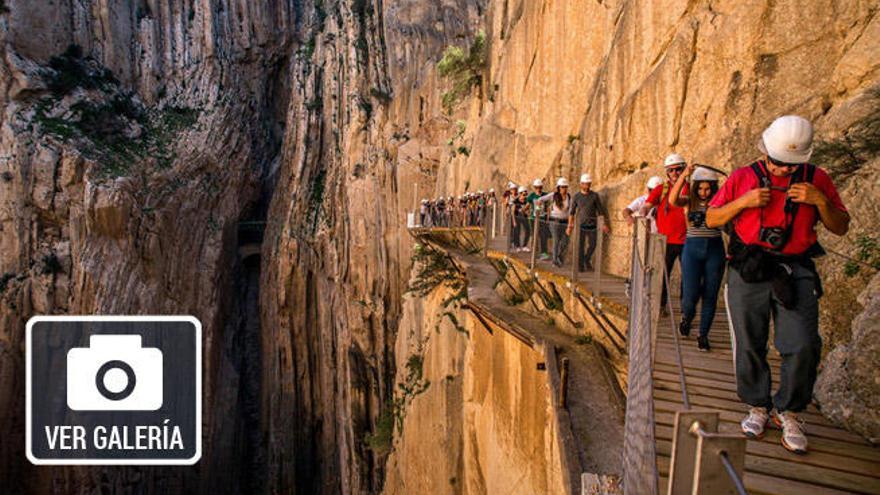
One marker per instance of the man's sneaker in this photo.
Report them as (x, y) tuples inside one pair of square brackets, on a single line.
[(588, 266), (544, 256), (793, 436), (753, 424), (703, 343), (526, 249), (684, 327)]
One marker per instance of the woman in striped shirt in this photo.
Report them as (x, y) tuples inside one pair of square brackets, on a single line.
[(702, 260)]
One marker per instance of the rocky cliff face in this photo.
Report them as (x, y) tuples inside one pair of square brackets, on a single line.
[(135, 136), (128, 163), (611, 87)]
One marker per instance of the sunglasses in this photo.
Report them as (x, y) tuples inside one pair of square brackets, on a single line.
[(675, 169), (777, 163)]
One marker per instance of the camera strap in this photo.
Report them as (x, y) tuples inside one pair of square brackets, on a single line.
[(804, 173)]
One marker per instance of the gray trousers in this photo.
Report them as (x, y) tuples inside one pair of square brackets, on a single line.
[(560, 240), (750, 307), (587, 234)]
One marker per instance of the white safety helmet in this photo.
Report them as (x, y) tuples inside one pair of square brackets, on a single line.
[(673, 160), (491, 190), (562, 182), (702, 173), (538, 183), (511, 185), (654, 182), (586, 179), (789, 139), (480, 191), (424, 201), (522, 189)]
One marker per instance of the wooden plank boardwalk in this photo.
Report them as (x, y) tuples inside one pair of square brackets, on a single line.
[(838, 462)]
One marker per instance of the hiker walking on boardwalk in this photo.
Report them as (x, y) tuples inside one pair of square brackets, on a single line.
[(481, 208), (586, 207), (521, 230), (702, 260), (509, 197), (634, 209), (543, 230), (423, 211), (670, 219), (560, 204), (774, 205)]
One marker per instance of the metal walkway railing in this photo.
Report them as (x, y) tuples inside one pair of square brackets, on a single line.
[(682, 413)]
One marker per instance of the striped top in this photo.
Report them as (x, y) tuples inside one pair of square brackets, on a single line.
[(701, 230)]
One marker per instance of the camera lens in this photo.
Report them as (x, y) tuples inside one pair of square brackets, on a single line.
[(101, 375)]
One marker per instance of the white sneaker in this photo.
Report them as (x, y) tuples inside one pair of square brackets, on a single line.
[(794, 437), (526, 249), (753, 424)]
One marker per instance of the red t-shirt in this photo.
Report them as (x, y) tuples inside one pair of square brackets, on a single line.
[(671, 221), (748, 223)]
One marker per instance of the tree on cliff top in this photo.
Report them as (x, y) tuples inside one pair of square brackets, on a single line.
[(464, 69)]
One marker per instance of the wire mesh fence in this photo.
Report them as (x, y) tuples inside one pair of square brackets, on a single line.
[(639, 452)]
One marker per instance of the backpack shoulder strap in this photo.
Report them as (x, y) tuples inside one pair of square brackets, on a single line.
[(758, 170), (810, 173)]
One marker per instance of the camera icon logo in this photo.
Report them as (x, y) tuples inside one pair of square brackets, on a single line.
[(115, 373)]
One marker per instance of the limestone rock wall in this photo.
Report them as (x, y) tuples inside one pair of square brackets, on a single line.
[(611, 87), (485, 422), (91, 230)]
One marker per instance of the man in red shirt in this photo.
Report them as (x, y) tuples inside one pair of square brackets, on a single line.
[(774, 206), (671, 220)]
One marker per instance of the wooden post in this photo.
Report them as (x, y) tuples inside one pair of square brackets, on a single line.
[(563, 379), (575, 253), (485, 239), (494, 217), (416, 201), (684, 449), (597, 268), (535, 241)]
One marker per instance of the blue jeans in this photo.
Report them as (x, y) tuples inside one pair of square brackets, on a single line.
[(702, 268)]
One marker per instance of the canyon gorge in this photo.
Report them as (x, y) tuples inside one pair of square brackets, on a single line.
[(251, 163)]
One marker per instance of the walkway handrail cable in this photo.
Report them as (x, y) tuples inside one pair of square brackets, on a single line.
[(681, 376), (732, 474)]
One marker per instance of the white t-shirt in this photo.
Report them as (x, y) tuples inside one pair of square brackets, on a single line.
[(636, 206)]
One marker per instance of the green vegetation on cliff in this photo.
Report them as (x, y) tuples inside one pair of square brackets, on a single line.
[(464, 69), (87, 108)]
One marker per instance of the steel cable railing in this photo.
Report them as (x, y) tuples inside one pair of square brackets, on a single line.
[(681, 375)]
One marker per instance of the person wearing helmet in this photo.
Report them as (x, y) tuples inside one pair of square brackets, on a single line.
[(586, 207), (773, 206), (423, 211), (543, 231), (702, 260), (560, 203), (441, 212), (634, 209), (520, 227), (670, 219), (481, 208)]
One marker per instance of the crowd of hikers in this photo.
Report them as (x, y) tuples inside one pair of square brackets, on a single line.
[(768, 209), (467, 210)]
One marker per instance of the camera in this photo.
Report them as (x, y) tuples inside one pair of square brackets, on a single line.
[(114, 374), (697, 218), (774, 236)]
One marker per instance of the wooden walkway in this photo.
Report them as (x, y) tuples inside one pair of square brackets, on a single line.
[(839, 462)]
